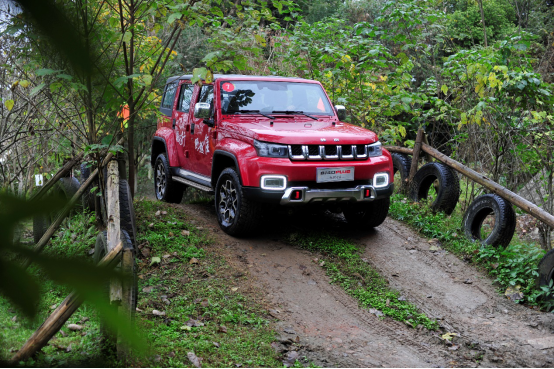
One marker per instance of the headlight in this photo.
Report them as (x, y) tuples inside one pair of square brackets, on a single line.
[(375, 149), (271, 150)]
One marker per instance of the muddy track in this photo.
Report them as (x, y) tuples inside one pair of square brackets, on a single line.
[(333, 331)]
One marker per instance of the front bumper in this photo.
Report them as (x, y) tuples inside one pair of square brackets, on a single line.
[(317, 195)]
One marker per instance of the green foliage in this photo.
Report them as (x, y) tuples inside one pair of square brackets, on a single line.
[(465, 23), (517, 265), (346, 268)]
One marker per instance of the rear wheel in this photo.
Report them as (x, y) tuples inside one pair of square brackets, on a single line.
[(371, 214), (236, 215), (165, 188)]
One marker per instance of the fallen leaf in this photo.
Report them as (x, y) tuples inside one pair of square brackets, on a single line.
[(157, 213), (69, 348), (513, 293), (63, 334), (222, 329), (74, 327), (158, 313), (449, 336), (205, 303), (193, 261), (171, 234), (155, 260), (166, 256), (185, 233), (194, 323), (150, 225), (377, 313), (145, 252), (322, 264), (14, 319), (291, 359), (171, 354), (186, 328), (434, 248), (164, 212), (195, 360), (216, 344), (234, 289)]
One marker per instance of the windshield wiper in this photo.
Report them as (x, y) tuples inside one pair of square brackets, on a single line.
[(251, 111), (293, 112)]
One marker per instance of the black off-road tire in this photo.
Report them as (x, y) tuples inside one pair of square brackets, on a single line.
[(401, 163), (371, 214), (101, 250), (236, 215), (41, 223), (165, 188), (448, 189), (88, 199), (546, 273), (504, 215), (66, 187), (127, 210)]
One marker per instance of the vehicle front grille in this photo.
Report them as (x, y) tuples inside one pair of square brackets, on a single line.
[(328, 152)]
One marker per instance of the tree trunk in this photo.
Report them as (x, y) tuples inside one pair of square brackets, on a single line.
[(483, 21)]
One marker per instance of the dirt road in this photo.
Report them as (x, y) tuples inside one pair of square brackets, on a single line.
[(334, 332)]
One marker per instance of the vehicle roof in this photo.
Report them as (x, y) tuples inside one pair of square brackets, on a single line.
[(243, 77)]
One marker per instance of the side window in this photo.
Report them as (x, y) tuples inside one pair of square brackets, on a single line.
[(207, 94), (185, 97), (169, 96)]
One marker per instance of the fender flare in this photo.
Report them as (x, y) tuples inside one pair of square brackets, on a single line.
[(168, 141), (218, 153)]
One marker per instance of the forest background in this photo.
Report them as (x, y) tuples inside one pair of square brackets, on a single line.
[(478, 75)]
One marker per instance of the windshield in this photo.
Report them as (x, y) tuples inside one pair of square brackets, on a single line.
[(268, 97)]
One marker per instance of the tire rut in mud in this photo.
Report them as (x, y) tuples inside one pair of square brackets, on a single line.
[(334, 331)]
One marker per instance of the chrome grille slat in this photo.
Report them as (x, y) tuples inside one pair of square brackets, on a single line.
[(328, 152)]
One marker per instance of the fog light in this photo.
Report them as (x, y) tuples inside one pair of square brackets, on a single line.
[(380, 180), (273, 182)]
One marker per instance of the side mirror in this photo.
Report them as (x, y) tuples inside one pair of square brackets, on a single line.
[(202, 110), (341, 111)]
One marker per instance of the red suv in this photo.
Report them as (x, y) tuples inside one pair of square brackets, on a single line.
[(252, 140)]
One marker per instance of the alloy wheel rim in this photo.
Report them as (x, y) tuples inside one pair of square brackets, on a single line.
[(228, 202), (160, 180)]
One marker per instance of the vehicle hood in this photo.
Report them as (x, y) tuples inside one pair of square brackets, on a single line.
[(301, 132)]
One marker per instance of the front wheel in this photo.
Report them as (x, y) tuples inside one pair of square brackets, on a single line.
[(371, 214), (236, 215)]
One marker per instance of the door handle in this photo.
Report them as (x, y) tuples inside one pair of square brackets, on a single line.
[(173, 127)]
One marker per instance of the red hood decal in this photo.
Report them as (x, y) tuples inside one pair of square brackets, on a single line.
[(308, 132)]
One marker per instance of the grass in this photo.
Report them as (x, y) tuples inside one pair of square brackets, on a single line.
[(515, 266), (345, 267), (205, 293), (209, 306)]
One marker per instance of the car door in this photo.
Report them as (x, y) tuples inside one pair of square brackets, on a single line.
[(182, 122), (202, 134)]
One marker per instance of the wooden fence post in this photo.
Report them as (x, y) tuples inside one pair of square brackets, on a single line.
[(114, 231), (415, 156)]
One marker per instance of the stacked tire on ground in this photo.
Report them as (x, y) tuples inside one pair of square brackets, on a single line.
[(65, 188)]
